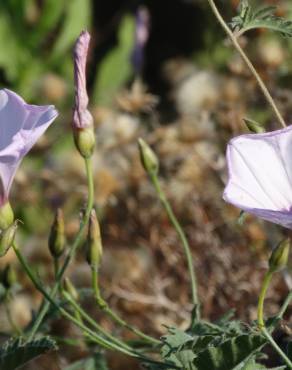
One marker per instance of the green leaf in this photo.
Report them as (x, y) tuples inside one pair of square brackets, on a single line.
[(253, 365), (115, 68), (229, 355), (249, 18), (52, 12), (77, 17), (17, 352)]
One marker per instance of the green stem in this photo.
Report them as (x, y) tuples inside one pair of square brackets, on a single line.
[(91, 334), (77, 242), (261, 322), (102, 304), (182, 236), (56, 267), (237, 46), (285, 305), (266, 283), (85, 316)]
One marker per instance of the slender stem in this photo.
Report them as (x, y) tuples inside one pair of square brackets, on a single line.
[(56, 267), (90, 320), (77, 242), (285, 305), (102, 304), (237, 46), (93, 336), (276, 347), (182, 236), (265, 285), (261, 322)]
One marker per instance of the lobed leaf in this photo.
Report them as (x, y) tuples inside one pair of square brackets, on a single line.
[(15, 353)]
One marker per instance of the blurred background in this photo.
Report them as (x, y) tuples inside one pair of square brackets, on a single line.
[(163, 71)]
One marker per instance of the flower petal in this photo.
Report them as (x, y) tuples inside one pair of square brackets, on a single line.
[(260, 175), (21, 125)]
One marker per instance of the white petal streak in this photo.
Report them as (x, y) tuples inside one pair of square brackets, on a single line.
[(260, 171)]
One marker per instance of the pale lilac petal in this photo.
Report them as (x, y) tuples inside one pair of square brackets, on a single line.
[(82, 118), (260, 175), (21, 125)]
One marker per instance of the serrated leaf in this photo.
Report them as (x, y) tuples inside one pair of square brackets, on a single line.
[(229, 355), (17, 352), (264, 17)]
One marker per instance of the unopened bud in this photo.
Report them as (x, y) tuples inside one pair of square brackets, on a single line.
[(84, 139), (70, 289), (94, 243), (8, 277), (7, 238), (148, 158), (254, 126), (279, 256), (6, 216), (57, 235)]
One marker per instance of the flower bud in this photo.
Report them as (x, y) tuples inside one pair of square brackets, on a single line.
[(82, 124), (94, 243), (57, 235), (253, 126), (84, 139), (279, 256), (148, 158), (70, 289), (8, 277), (6, 216), (7, 238)]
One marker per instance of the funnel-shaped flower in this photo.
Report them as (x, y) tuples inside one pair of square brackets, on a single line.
[(260, 175), (21, 125)]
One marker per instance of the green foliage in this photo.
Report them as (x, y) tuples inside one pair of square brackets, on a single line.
[(38, 39), (17, 352), (224, 345), (116, 67), (264, 17)]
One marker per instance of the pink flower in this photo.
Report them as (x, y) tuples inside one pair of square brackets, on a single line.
[(260, 175), (82, 118), (21, 125)]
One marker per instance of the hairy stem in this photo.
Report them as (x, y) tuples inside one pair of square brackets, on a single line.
[(237, 46)]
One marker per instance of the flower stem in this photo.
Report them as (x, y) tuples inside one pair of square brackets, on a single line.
[(44, 308), (91, 334), (85, 316), (102, 304), (285, 305), (261, 323), (182, 236), (237, 46)]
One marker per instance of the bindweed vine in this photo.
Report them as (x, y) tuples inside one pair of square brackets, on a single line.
[(259, 183)]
